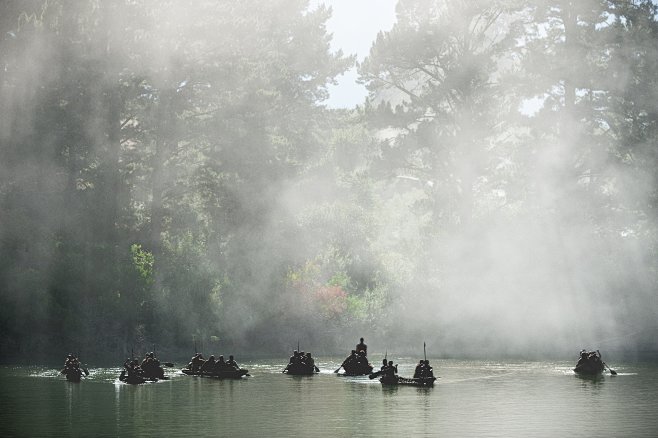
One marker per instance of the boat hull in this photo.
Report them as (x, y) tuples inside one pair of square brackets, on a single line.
[(589, 369), (73, 375), (228, 374), (357, 370), (300, 370), (404, 381)]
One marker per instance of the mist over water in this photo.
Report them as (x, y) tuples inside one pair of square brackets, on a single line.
[(171, 175)]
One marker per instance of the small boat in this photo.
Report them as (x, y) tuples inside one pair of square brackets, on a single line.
[(357, 369), (222, 374), (300, 369), (590, 363), (154, 374), (397, 380), (72, 374), (134, 379)]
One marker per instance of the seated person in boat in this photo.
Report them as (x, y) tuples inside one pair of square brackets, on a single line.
[(151, 366), (384, 365), (390, 370), (293, 361), (196, 362), (71, 363), (132, 368), (418, 372), (585, 357), (361, 346), (221, 364), (209, 365), (231, 363), (350, 360), (428, 372), (147, 363), (362, 359), (308, 360)]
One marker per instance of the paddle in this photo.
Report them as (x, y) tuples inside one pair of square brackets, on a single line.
[(375, 374), (613, 372), (338, 369)]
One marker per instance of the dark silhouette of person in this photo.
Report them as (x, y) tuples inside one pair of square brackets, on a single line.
[(361, 346)]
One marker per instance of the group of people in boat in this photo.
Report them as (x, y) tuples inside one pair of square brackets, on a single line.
[(73, 370), (423, 370), (301, 363), (149, 369), (357, 362), (589, 362), (199, 365)]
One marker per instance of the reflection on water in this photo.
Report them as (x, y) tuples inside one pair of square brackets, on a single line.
[(470, 399)]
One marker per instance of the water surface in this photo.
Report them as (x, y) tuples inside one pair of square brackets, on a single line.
[(471, 399)]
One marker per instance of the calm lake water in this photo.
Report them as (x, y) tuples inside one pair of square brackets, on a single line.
[(471, 399)]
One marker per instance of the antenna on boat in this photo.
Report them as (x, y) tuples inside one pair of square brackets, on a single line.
[(424, 351)]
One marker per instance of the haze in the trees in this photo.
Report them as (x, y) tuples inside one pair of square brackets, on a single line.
[(170, 173)]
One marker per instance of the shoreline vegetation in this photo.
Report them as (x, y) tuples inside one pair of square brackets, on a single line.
[(171, 175)]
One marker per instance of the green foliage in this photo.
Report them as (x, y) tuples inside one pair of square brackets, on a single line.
[(143, 261), (169, 169)]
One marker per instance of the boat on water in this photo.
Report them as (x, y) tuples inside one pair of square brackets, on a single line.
[(73, 374), (220, 374), (356, 364), (301, 364), (397, 380), (301, 369), (357, 369), (73, 369), (590, 363), (134, 374), (134, 379)]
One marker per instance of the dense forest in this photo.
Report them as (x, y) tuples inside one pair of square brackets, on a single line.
[(171, 176)]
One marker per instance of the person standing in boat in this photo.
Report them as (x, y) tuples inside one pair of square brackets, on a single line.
[(361, 346)]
